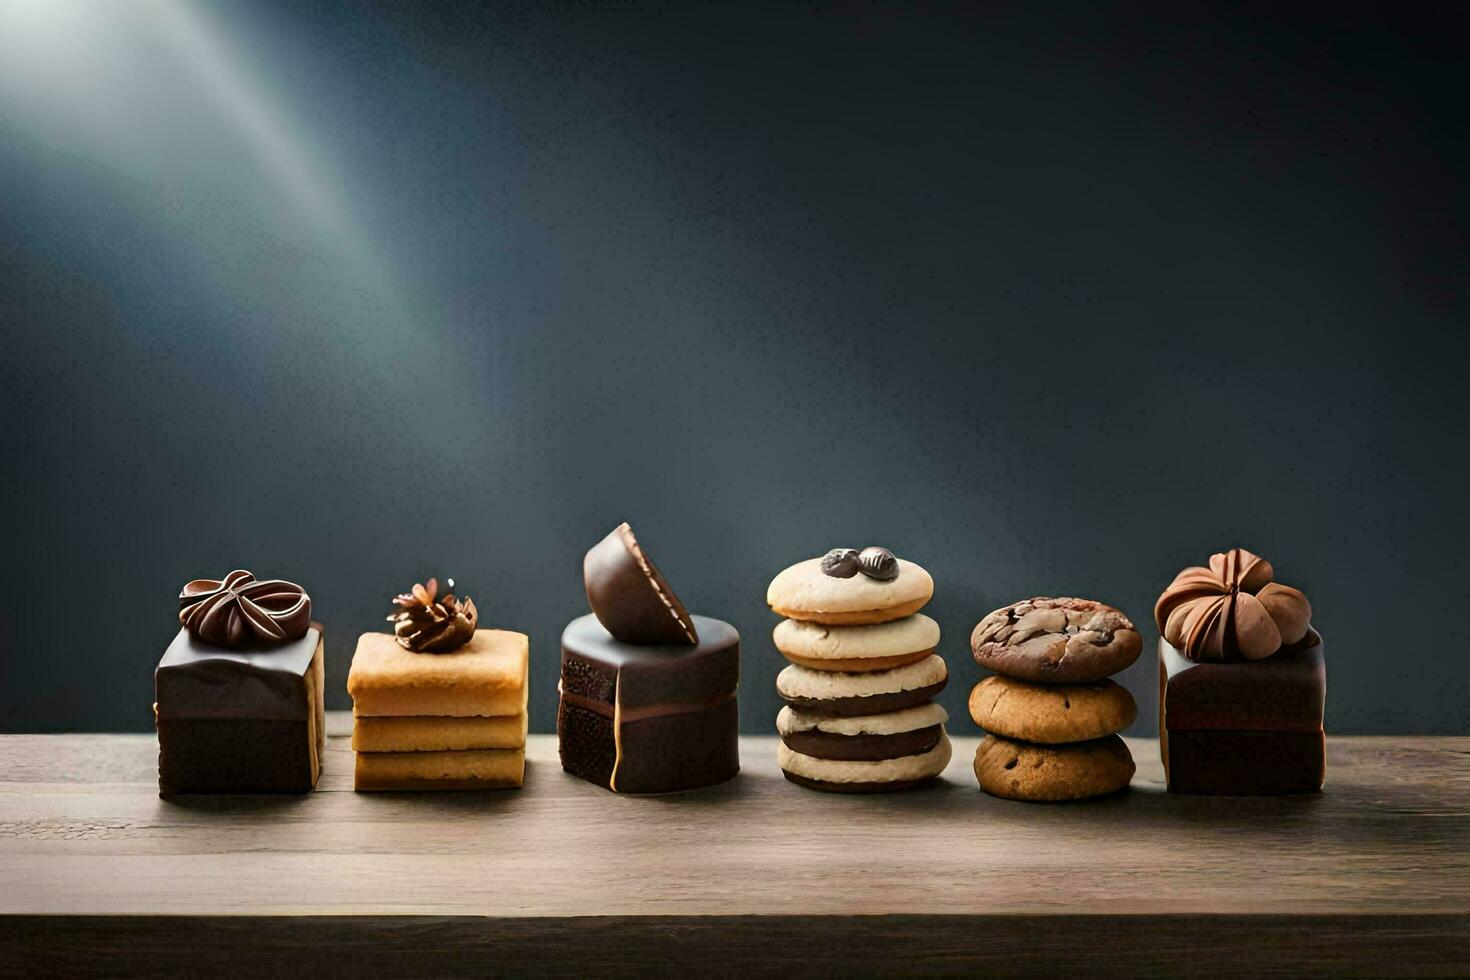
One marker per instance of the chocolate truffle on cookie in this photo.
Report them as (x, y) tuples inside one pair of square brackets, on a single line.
[(1051, 713), (857, 648), (846, 694), (1049, 773), (1056, 641), (845, 590)]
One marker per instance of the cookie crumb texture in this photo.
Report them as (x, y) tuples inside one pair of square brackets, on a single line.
[(1052, 773), (1051, 714)]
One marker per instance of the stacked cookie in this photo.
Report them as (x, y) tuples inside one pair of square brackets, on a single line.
[(439, 704), (1052, 714), (859, 715)]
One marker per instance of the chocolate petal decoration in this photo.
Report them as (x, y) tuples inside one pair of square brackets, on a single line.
[(239, 610), (630, 598), (1177, 628), (1289, 609), (1255, 572), (1188, 585), (1255, 634), (1204, 630), (1231, 610)]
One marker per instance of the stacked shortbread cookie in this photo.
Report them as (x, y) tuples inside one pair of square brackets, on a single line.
[(1052, 715), (859, 716), (441, 706)]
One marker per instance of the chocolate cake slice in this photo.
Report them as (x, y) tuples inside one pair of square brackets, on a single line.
[(649, 718), (240, 720)]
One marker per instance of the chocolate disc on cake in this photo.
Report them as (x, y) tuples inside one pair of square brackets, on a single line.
[(629, 596)]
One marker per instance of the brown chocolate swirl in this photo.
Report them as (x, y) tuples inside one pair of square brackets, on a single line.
[(1231, 610), (239, 610), (428, 623)]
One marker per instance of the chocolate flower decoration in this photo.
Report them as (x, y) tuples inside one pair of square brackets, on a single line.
[(425, 623), (1231, 610), (241, 610)]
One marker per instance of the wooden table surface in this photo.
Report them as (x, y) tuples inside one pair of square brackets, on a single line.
[(98, 875)]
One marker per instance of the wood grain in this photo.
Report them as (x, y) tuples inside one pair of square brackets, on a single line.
[(83, 833)]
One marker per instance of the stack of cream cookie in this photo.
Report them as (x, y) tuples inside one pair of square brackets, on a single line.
[(1052, 714), (859, 715)]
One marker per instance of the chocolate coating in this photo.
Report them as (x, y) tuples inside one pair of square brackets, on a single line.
[(1286, 692), (676, 703), (240, 610), (629, 596), (1250, 728), (1244, 763), (663, 754), (872, 704), (865, 747), (240, 720)]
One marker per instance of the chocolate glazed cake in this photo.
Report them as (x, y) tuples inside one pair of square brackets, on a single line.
[(1242, 682), (647, 690), (239, 692)]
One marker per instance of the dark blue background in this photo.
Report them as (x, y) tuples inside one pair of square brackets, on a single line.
[(1048, 300)]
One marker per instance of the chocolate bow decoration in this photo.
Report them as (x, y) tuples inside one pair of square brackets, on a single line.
[(241, 610), (1231, 610)]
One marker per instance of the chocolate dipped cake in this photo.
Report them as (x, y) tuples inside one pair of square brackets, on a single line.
[(239, 692), (647, 690), (1242, 682)]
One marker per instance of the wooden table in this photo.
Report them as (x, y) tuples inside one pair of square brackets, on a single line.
[(99, 876)]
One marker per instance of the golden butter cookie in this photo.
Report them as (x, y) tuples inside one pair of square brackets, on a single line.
[(806, 592), (485, 677), (1049, 773), (1051, 713)]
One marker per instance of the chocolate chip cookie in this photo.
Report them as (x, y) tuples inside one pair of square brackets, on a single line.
[(1051, 713), (1050, 773), (1056, 641)]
